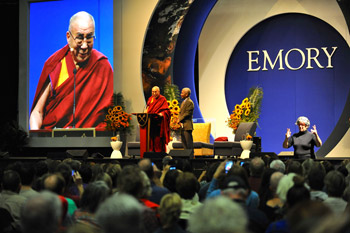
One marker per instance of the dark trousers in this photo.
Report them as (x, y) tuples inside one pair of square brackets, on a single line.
[(187, 139)]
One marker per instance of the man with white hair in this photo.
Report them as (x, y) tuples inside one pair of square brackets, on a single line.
[(278, 165), (218, 215), (120, 213), (41, 213)]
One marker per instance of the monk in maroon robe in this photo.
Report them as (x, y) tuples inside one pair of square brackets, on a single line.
[(160, 130), (75, 64)]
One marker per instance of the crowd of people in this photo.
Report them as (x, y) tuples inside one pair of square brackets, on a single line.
[(253, 195)]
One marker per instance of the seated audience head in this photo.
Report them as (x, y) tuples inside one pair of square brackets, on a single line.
[(237, 170), (316, 176), (105, 178), (333, 223), (235, 188), (73, 163), (278, 165), (285, 183), (306, 166), (257, 166), (114, 171), (294, 167), (120, 213), (41, 168), (187, 185), (146, 166), (184, 165), (96, 170), (27, 173), (86, 173), (66, 171), (11, 181), (298, 192), (306, 215), (274, 181), (169, 181), (41, 213), (81, 227), (335, 183), (170, 209), (328, 166), (342, 169), (94, 194), (146, 184), (264, 190), (55, 183), (131, 181), (218, 215)]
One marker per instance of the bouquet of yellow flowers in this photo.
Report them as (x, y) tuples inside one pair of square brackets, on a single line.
[(174, 110), (172, 94), (248, 110), (116, 118)]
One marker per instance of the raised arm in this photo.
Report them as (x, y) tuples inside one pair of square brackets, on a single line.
[(318, 139), (285, 142), (36, 117)]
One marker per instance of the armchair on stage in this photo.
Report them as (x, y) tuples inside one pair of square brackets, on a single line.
[(201, 140), (227, 148)]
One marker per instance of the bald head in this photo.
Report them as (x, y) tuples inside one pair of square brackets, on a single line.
[(82, 17), (155, 92), (185, 92), (54, 183)]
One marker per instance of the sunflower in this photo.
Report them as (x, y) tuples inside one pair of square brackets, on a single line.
[(175, 102), (245, 100), (118, 108), (246, 113)]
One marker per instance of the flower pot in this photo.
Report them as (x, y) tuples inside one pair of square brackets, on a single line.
[(246, 146), (116, 154)]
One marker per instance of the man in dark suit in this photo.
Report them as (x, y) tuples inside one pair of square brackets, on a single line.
[(185, 119)]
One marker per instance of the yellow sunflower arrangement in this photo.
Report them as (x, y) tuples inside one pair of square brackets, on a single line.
[(248, 110), (174, 110), (117, 119)]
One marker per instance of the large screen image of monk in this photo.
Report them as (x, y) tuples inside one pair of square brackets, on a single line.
[(76, 83)]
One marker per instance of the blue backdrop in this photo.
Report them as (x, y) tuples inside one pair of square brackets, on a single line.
[(318, 93)]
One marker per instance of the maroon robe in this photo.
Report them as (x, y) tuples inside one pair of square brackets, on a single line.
[(160, 127), (94, 91)]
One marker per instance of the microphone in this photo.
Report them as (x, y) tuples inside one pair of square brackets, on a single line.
[(74, 72)]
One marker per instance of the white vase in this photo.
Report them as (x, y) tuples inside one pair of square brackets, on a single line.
[(246, 146), (116, 154)]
